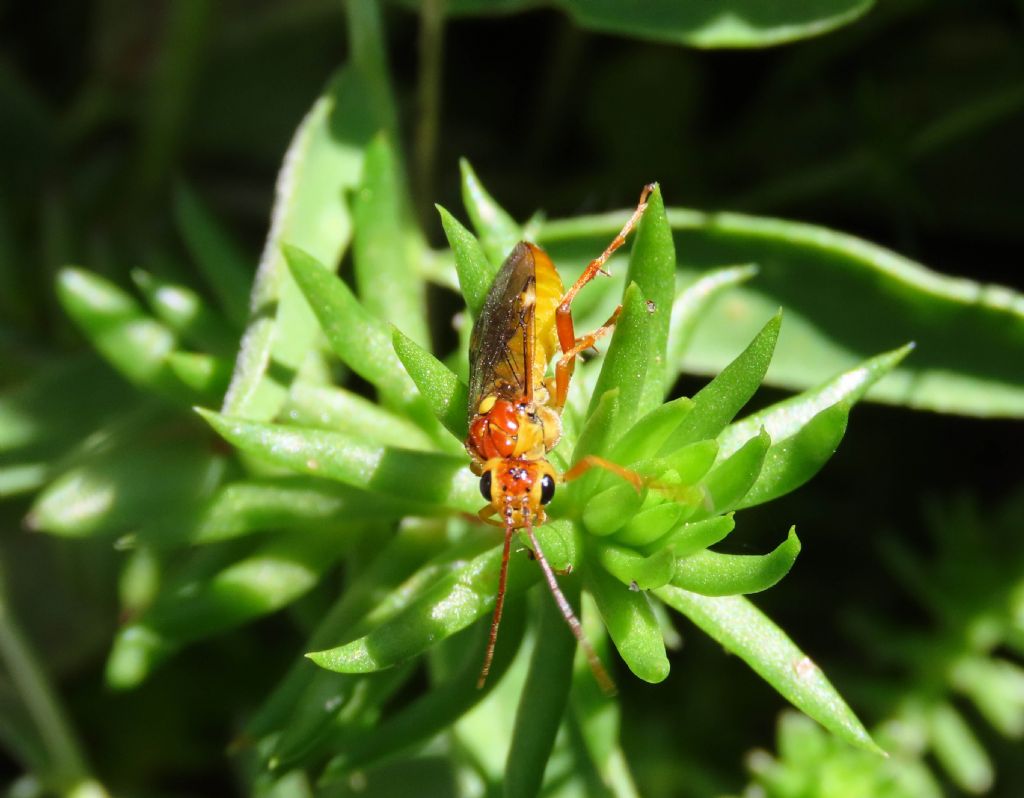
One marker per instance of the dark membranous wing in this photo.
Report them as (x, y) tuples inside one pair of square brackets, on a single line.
[(501, 348)]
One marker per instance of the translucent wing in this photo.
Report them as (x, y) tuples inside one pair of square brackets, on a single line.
[(501, 350)]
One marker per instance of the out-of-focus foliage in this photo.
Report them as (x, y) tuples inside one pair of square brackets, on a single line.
[(149, 263)]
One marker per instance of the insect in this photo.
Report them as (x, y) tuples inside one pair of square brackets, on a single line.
[(515, 409)]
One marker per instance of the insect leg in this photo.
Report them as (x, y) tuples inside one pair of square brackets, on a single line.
[(593, 461), (565, 365), (499, 604), (600, 674)]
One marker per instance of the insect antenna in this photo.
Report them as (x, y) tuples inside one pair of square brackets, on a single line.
[(604, 681), (499, 602)]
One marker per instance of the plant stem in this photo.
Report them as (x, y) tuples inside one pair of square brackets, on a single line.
[(68, 771)]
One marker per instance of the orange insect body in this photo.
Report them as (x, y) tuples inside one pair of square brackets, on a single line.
[(515, 409)]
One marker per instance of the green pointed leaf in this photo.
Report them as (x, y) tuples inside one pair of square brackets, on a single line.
[(273, 576), (632, 625), (731, 480), (609, 510), (445, 393), (746, 632), (122, 488), (396, 571), (958, 750), (685, 466), (625, 364), (713, 574), (437, 479), (498, 231), (690, 538), (448, 606), (132, 342), (227, 270), (806, 429), (652, 266), (339, 410), (439, 708), (969, 335), (646, 437), (650, 524), (542, 700), (262, 505), (720, 400), (323, 164), (388, 285), (691, 303), (636, 570), (359, 339), (476, 273), (205, 375), (186, 314)]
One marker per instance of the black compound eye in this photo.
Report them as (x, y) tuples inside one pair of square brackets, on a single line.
[(547, 489), (485, 485)]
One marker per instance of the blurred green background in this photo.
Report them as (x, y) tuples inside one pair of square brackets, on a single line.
[(903, 128)]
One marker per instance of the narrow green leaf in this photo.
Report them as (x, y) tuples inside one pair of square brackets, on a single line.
[(445, 393), (475, 272), (205, 375), (685, 466), (436, 479), (632, 625), (261, 505), (970, 336), (593, 438), (116, 491), (636, 570), (746, 632), (650, 524), (690, 538), (713, 574), (396, 570), (646, 437), (720, 400), (731, 480), (784, 419), (609, 510), (691, 303), (359, 339), (448, 606), (273, 576), (323, 164), (498, 231), (132, 342), (186, 314), (652, 266), (542, 701), (958, 750), (625, 364), (227, 270), (388, 285), (806, 429), (339, 410), (438, 709)]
